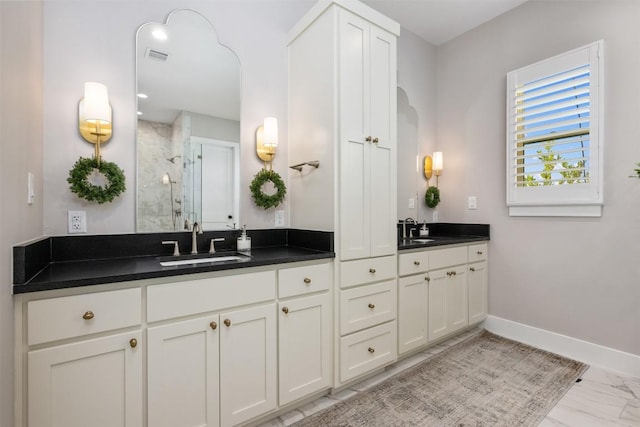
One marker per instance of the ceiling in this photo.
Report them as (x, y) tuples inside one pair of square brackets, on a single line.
[(438, 21)]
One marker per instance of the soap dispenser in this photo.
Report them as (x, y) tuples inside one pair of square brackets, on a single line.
[(244, 241)]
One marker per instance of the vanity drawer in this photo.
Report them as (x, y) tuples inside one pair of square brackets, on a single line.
[(367, 350), (366, 306), (204, 295), (413, 262), (304, 280), (447, 257), (478, 252), (77, 315), (367, 270)]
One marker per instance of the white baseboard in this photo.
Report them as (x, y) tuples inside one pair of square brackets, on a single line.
[(583, 351)]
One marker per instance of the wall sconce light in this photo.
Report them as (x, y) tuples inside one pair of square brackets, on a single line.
[(267, 140), (94, 116), (437, 164)]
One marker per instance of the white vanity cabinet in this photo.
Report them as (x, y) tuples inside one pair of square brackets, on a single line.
[(80, 381)]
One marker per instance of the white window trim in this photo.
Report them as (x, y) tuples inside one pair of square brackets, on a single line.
[(565, 200)]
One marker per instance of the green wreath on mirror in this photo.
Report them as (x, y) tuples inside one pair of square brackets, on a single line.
[(432, 197), (79, 180), (263, 200)]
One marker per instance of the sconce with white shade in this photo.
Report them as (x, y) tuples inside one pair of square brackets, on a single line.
[(267, 140), (95, 115), (438, 164)]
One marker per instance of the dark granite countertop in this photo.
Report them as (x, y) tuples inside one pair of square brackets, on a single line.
[(66, 262), (441, 234)]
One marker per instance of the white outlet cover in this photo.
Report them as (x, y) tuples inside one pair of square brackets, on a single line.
[(472, 202), (77, 222), (279, 218)]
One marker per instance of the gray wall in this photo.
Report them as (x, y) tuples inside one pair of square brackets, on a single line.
[(20, 152), (577, 277)]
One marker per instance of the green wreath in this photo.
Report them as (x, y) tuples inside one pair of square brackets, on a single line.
[(432, 197), (79, 174), (265, 200)]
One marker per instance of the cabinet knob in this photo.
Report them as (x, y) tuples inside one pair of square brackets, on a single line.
[(133, 342), (453, 273), (371, 350), (472, 269), (88, 315), (375, 140), (449, 273), (416, 262), (479, 252), (213, 325), (227, 322), (368, 139), (372, 270), (307, 280), (285, 310), (372, 306), (427, 278)]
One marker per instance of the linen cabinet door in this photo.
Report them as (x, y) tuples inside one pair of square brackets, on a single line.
[(305, 351), (383, 94), (95, 382), (437, 323), (355, 137), (247, 363), (183, 373)]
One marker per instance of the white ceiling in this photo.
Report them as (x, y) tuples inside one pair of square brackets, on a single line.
[(438, 21)]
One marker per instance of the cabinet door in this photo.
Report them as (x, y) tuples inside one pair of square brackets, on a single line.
[(383, 88), (437, 284), (457, 306), (94, 383), (477, 292), (183, 373), (247, 363), (355, 168), (305, 352), (412, 312)]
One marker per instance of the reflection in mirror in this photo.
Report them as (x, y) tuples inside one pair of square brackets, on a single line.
[(188, 136), (409, 191)]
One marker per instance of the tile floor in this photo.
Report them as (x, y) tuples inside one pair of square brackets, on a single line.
[(601, 399)]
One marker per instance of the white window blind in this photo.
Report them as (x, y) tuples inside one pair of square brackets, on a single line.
[(554, 135)]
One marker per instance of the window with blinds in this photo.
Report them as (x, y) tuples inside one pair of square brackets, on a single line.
[(553, 135)]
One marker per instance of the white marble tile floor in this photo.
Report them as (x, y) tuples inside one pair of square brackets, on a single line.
[(601, 399)]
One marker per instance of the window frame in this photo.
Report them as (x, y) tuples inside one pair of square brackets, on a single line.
[(579, 200)]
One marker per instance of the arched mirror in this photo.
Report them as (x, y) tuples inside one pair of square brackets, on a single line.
[(188, 134), (410, 204)]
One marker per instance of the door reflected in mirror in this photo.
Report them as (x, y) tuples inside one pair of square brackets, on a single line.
[(188, 134)]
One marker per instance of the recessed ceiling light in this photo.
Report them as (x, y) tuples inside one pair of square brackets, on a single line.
[(142, 95), (159, 34)]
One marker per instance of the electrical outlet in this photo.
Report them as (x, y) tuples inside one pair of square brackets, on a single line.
[(77, 222), (279, 220)]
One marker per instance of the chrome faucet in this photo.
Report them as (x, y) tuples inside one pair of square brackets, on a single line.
[(404, 226), (197, 229)]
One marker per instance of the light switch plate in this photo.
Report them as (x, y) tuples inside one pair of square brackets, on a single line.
[(472, 202), (31, 191), (279, 220), (412, 203)]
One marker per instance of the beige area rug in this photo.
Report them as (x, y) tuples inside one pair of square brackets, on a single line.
[(486, 380)]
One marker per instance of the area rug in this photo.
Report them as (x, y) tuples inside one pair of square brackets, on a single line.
[(486, 380)]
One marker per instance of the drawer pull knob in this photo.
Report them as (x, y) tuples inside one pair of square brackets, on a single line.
[(479, 252), (213, 325), (427, 278), (371, 350), (88, 315), (285, 310), (472, 269), (416, 262), (368, 139), (375, 140), (372, 306), (372, 270), (307, 280), (133, 342), (227, 322)]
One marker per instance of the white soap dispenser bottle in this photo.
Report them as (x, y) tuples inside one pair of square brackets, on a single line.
[(244, 241)]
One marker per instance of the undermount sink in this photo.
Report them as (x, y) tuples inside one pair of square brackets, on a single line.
[(202, 260)]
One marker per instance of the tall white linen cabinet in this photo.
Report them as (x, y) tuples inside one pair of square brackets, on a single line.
[(343, 113)]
